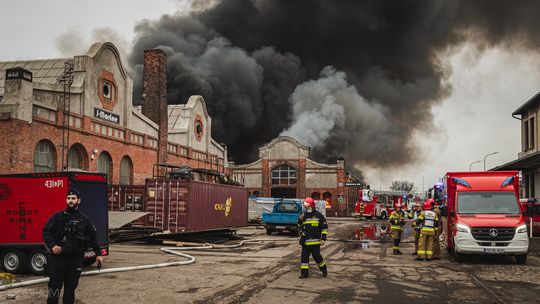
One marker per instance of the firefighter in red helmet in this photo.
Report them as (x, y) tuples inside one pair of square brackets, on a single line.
[(313, 231), (428, 221)]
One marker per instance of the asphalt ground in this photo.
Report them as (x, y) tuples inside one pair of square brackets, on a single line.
[(362, 269)]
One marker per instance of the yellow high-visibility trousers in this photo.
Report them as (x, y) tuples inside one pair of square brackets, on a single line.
[(425, 246)]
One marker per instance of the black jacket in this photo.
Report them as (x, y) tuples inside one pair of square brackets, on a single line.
[(72, 231), (313, 228)]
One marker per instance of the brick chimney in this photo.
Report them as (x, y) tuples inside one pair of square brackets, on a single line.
[(154, 101)]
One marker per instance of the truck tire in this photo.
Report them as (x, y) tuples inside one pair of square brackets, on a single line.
[(521, 259), (13, 260), (383, 215), (268, 231), (36, 262), (458, 257)]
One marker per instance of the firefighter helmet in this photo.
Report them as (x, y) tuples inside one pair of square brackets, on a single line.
[(428, 205), (309, 202)]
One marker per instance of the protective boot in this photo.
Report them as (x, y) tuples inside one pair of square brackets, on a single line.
[(324, 271), (304, 273)]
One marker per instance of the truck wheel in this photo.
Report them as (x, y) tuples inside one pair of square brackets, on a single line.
[(37, 261), (458, 257), (521, 259), (268, 231), (13, 261)]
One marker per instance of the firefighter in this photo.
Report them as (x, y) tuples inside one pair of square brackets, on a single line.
[(438, 232), (67, 234), (313, 231), (397, 221), (413, 215), (429, 220)]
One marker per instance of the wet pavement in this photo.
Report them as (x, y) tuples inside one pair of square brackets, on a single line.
[(362, 269)]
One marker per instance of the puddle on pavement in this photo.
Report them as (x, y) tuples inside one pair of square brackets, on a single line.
[(366, 234)]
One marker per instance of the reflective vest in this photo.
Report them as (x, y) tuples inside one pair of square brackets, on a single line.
[(429, 221)]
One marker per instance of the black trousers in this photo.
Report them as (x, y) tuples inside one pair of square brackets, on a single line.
[(315, 251), (64, 270)]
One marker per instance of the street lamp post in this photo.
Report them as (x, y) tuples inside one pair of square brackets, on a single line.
[(486, 157), (470, 166)]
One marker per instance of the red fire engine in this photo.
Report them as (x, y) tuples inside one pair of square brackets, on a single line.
[(378, 203)]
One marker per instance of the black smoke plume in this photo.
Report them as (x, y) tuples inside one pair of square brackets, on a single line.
[(352, 79)]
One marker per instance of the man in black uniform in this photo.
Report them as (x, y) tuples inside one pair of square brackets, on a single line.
[(67, 234), (313, 230)]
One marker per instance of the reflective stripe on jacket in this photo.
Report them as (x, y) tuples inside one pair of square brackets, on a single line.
[(313, 228)]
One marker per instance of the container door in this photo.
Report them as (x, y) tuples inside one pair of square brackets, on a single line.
[(95, 204)]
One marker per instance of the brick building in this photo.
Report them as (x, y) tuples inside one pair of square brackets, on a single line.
[(285, 170), (78, 114)]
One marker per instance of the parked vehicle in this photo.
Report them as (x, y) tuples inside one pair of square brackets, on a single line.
[(378, 203), (26, 203), (484, 216), (284, 216), (533, 214)]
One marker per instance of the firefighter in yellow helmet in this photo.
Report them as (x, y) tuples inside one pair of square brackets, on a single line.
[(429, 220), (397, 221), (413, 215)]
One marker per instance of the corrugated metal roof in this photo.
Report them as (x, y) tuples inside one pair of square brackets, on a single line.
[(43, 70)]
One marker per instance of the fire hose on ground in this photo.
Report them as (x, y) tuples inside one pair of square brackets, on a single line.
[(172, 250)]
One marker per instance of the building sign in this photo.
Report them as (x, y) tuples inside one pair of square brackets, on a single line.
[(353, 184), (110, 117)]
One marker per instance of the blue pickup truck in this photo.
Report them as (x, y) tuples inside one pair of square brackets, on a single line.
[(284, 216)]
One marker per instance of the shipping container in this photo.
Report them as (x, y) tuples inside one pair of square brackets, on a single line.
[(127, 198), (190, 206), (27, 201)]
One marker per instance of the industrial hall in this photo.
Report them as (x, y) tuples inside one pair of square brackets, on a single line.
[(77, 114), (284, 169)]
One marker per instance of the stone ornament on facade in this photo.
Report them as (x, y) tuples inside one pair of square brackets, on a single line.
[(107, 90)]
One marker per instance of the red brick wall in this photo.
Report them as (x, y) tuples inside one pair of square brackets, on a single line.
[(154, 103), (20, 139)]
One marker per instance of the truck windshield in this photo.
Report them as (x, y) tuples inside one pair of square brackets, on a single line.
[(487, 203)]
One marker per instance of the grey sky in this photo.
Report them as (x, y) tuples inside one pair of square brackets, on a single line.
[(475, 119)]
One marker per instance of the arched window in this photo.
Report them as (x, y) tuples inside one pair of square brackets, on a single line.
[(76, 157), (284, 175), (126, 171), (104, 165), (316, 195), (44, 157)]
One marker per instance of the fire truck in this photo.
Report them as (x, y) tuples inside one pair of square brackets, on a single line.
[(532, 208), (26, 203), (379, 203)]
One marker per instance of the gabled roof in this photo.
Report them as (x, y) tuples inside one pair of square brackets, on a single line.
[(533, 102), (45, 71)]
